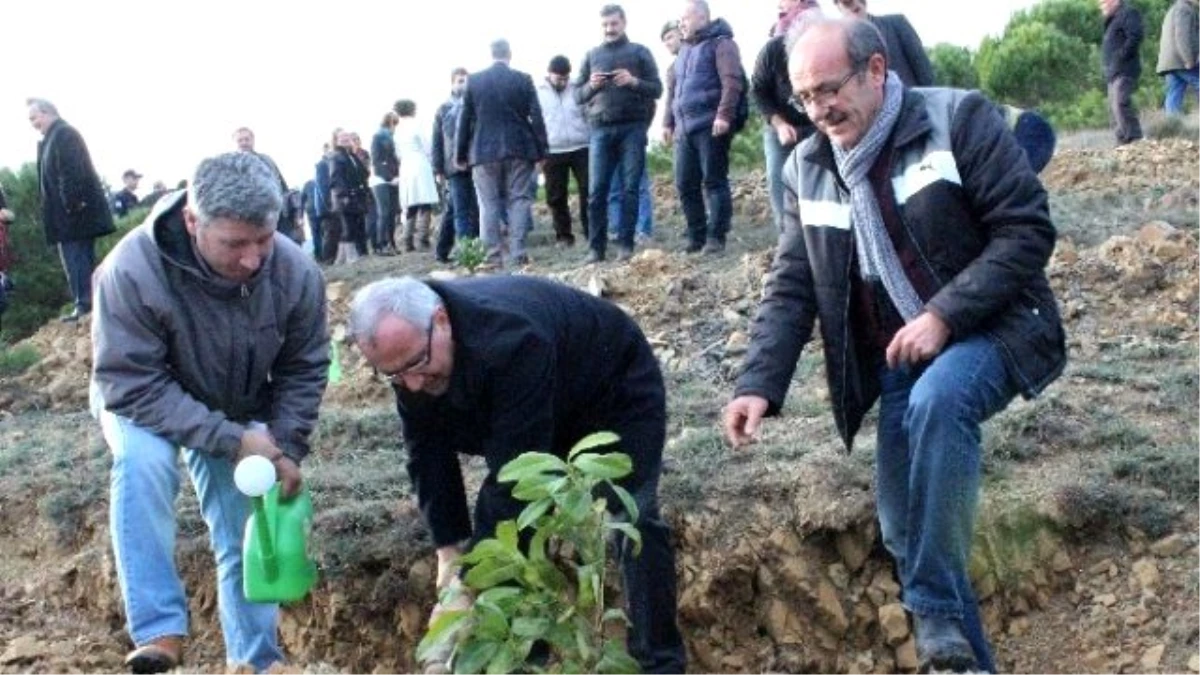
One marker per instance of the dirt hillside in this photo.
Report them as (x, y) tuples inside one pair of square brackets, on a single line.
[(1085, 559)]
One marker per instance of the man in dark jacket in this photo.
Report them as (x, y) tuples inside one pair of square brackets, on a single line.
[(74, 206), (704, 90), (501, 136), (919, 237), (1122, 66), (618, 82), (500, 366), (771, 90), (210, 336), (460, 218), (906, 53), (126, 200), (385, 169)]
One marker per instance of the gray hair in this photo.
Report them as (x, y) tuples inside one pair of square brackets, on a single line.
[(42, 106), (403, 297), (501, 49), (235, 185), (806, 20)]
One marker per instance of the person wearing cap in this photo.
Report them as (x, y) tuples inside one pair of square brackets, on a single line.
[(75, 210), (208, 321), (906, 53), (124, 201), (771, 92), (567, 133)]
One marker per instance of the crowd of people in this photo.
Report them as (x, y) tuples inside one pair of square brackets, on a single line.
[(911, 221)]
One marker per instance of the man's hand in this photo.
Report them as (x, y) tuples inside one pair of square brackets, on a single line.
[(455, 597), (623, 78), (447, 557), (598, 80), (785, 132), (720, 127), (743, 417), (460, 166), (668, 136), (289, 476), (920, 340), (259, 442)]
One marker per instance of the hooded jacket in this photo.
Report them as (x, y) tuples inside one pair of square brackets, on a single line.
[(610, 104), (974, 213), (706, 80), (566, 124), (192, 357)]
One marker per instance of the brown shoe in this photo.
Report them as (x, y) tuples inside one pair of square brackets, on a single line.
[(158, 656)]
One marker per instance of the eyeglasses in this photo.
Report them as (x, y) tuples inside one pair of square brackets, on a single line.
[(414, 365), (823, 95)]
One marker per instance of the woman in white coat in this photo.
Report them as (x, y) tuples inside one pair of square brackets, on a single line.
[(418, 189)]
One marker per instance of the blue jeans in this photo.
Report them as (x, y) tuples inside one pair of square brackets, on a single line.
[(645, 214), (1178, 82), (702, 178), (79, 261), (928, 475), (460, 215), (505, 196), (776, 155), (143, 486), (615, 147), (381, 232)]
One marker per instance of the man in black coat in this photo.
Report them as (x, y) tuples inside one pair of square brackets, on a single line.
[(1122, 66), (906, 53), (500, 366), (126, 200), (501, 136), (74, 205)]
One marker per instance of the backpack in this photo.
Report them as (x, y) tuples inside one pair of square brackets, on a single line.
[(741, 113)]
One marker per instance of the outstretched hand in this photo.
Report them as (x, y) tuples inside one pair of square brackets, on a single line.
[(743, 419)]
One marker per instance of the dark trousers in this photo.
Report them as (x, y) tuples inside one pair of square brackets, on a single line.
[(702, 174), (331, 227), (314, 226), (460, 215), (557, 170), (616, 147), (79, 261), (1120, 108), (382, 231)]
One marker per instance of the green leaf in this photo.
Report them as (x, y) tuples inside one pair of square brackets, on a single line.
[(533, 628), (611, 466), (490, 573), (485, 550), (534, 511), (575, 506), (442, 630), (537, 545), (474, 656), (627, 502), (615, 659), (490, 622), (596, 440), (504, 597), (529, 464), (582, 633), (630, 533), (506, 534), (533, 488), (615, 614), (503, 662)]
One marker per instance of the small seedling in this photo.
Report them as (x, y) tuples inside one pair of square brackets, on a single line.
[(470, 254), (525, 595)]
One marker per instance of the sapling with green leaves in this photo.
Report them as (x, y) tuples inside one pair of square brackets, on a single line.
[(552, 589)]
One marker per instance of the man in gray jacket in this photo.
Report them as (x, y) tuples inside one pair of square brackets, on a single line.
[(210, 336), (1178, 48), (567, 132)]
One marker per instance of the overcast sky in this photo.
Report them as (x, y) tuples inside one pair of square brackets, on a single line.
[(156, 87)]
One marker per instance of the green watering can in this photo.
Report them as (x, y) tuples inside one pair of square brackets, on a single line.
[(275, 562)]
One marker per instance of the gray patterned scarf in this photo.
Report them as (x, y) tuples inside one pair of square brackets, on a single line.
[(877, 259)]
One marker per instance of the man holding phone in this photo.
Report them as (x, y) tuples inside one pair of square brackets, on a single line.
[(618, 84)]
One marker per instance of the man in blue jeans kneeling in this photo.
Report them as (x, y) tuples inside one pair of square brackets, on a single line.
[(917, 234), (207, 320)]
